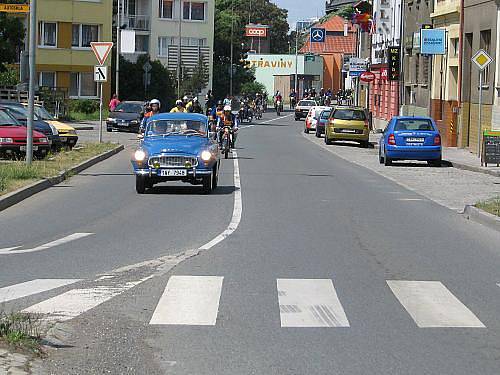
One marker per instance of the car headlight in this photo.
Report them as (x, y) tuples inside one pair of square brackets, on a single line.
[(43, 140), (6, 140), (109, 119), (134, 122), (54, 130), (140, 155), (72, 131), (206, 155)]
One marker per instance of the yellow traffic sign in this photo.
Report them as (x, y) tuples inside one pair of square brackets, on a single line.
[(14, 8), (481, 59)]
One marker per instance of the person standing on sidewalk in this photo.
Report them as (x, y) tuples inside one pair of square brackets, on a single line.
[(113, 103)]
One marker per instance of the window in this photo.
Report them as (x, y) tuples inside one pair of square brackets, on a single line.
[(82, 85), (414, 125), (47, 34), (454, 47), (485, 43), (47, 79), (141, 43), (349, 114), (193, 11), (163, 43), (83, 35), (194, 42), (166, 9)]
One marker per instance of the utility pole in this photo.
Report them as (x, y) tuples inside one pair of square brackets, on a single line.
[(296, 60), (232, 51), (31, 89), (179, 52), (118, 37)]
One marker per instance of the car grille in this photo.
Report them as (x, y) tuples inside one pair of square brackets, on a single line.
[(173, 161)]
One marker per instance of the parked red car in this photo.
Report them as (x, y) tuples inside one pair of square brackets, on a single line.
[(13, 138)]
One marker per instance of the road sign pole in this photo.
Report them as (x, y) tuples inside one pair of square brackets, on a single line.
[(31, 89), (479, 113), (100, 112)]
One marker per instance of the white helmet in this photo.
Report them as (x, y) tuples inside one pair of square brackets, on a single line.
[(185, 97), (227, 108), (155, 101), (178, 102)]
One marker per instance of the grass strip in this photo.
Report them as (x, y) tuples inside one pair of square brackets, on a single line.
[(16, 174), (490, 205), (21, 331)]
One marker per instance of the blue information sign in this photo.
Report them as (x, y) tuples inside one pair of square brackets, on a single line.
[(433, 41), (318, 35)]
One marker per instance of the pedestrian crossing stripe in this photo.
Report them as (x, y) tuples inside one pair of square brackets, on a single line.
[(195, 300)]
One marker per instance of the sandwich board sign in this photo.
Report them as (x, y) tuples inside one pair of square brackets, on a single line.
[(101, 50)]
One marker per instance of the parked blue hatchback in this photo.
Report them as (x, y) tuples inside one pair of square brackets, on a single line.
[(177, 147), (411, 138)]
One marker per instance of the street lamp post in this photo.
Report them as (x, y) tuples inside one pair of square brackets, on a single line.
[(296, 58), (179, 52), (118, 40), (232, 51), (31, 88)]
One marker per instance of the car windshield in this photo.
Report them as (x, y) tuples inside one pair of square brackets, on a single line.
[(325, 114), (414, 125), (128, 107), (6, 119), (20, 113), (42, 113), (168, 127), (349, 114), (307, 103)]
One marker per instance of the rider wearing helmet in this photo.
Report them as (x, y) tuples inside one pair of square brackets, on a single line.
[(195, 106), (227, 119), (218, 111), (178, 107), (154, 108)]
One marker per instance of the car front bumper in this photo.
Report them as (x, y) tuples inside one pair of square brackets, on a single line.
[(10, 149), (126, 125), (413, 153), (300, 114), (67, 139)]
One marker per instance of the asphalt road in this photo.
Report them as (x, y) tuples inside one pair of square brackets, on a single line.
[(333, 269)]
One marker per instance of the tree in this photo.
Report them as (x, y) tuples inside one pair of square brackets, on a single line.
[(263, 11), (253, 87), (11, 39), (162, 86), (197, 79)]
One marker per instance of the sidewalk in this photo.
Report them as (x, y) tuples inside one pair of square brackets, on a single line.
[(458, 158)]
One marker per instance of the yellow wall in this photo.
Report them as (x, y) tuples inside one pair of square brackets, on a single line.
[(65, 59), (469, 115)]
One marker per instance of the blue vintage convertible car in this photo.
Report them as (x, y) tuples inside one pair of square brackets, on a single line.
[(176, 147)]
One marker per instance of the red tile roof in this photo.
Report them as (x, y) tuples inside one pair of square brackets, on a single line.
[(333, 44), (335, 23)]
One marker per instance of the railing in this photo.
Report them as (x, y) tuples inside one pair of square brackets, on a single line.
[(138, 22)]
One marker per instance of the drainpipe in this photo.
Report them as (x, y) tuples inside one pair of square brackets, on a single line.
[(460, 53)]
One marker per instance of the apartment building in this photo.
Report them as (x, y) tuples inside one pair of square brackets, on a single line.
[(156, 23), (64, 59), (481, 28), (445, 71)]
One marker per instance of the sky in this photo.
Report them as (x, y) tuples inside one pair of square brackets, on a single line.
[(301, 9)]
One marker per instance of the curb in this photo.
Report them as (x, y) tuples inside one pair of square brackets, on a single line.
[(482, 217), (472, 168), (19, 195)]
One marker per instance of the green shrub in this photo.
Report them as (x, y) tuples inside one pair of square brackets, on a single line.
[(86, 106)]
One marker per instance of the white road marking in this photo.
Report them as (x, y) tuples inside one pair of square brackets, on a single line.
[(431, 304), (71, 237), (265, 122), (409, 199), (237, 209), (31, 287), (77, 301), (310, 303), (189, 300)]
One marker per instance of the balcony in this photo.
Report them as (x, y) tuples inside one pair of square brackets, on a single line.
[(137, 22)]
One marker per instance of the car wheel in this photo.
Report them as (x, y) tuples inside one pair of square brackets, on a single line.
[(306, 130), (215, 179), (365, 144), (387, 160), (207, 184), (109, 130), (317, 134), (140, 184)]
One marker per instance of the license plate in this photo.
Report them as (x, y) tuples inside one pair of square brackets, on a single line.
[(23, 148), (415, 140), (173, 172), (348, 131)]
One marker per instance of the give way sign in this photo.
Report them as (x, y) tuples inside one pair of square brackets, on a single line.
[(101, 50)]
